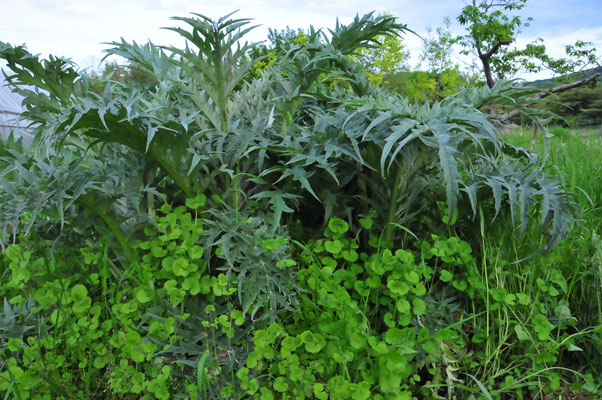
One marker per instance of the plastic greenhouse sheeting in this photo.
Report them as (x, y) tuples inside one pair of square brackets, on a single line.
[(10, 110)]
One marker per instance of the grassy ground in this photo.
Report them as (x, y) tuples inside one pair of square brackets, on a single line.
[(576, 156)]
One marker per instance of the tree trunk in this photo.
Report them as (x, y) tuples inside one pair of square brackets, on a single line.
[(485, 57), (438, 88), (487, 71)]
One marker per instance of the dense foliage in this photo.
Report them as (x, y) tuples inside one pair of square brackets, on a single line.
[(224, 229), (580, 107), (492, 28)]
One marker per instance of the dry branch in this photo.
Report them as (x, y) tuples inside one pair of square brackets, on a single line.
[(557, 89)]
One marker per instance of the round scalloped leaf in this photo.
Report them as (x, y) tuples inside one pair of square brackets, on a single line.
[(419, 306), (445, 275), (338, 226)]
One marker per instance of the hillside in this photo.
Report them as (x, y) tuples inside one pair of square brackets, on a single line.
[(553, 82)]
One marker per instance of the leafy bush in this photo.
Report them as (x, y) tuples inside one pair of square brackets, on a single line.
[(278, 143)]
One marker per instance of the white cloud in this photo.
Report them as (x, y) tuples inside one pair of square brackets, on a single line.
[(76, 29)]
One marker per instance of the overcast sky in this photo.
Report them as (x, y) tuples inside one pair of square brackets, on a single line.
[(77, 28)]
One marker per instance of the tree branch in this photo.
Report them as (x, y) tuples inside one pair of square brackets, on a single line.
[(557, 89), (572, 85), (495, 48)]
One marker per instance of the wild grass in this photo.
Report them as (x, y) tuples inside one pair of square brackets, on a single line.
[(575, 157)]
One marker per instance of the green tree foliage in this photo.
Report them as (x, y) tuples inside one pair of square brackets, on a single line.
[(580, 107), (283, 40), (491, 29), (422, 86), (280, 41), (418, 86), (387, 66), (385, 59), (437, 54)]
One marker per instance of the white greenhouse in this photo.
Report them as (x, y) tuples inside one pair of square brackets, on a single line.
[(10, 111)]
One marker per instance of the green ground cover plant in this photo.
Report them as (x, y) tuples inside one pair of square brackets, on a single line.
[(229, 229)]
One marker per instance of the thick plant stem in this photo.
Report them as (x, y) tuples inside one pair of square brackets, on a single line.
[(392, 206), (291, 108), (150, 200), (180, 180), (219, 81), (112, 225)]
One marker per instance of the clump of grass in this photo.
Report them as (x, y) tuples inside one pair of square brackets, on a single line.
[(560, 132), (575, 160)]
